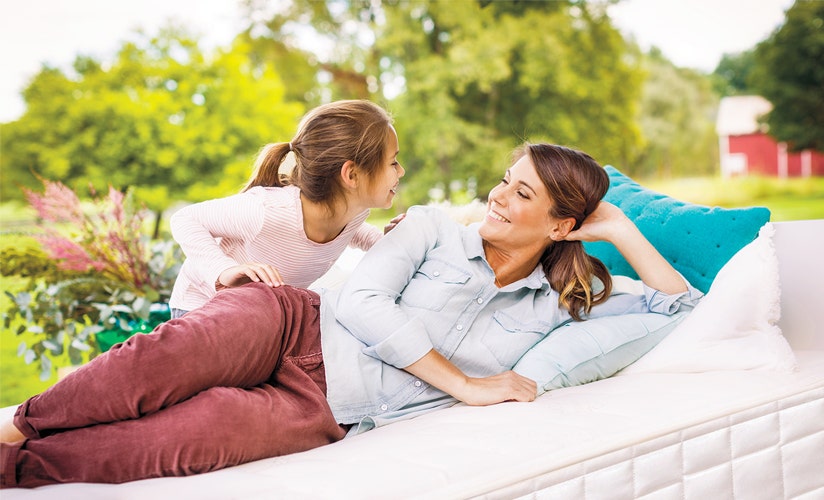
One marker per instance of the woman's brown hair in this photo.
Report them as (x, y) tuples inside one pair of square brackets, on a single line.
[(576, 184), (327, 137)]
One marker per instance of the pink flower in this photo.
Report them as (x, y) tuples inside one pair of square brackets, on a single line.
[(68, 254), (58, 203), (106, 238)]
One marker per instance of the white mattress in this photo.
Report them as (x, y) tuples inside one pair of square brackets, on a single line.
[(733, 434)]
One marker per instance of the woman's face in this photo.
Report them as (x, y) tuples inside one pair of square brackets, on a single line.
[(382, 187), (518, 210)]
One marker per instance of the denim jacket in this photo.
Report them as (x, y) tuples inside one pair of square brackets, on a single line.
[(427, 285)]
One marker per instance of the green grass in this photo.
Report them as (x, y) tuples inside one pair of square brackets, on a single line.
[(792, 199), (789, 199)]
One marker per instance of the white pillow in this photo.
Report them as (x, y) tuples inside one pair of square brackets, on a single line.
[(734, 327)]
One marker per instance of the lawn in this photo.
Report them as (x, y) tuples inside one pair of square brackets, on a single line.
[(794, 199)]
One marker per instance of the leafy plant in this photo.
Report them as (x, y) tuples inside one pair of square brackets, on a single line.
[(96, 273)]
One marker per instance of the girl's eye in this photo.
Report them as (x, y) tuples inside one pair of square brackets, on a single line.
[(523, 195), (504, 181)]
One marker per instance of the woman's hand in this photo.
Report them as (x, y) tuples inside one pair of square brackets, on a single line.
[(392, 223), (601, 225), (506, 386), (438, 371), (245, 273)]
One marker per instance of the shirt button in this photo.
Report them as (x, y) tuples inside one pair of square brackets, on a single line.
[(418, 383), (459, 327), (436, 273), (480, 300), (384, 407)]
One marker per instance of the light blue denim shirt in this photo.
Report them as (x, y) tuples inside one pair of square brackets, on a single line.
[(427, 285)]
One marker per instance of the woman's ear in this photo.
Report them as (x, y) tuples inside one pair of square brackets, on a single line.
[(561, 228), (349, 174)]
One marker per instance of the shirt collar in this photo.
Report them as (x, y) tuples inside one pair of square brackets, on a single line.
[(473, 245)]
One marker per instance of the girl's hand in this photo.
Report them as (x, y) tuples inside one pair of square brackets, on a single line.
[(392, 223), (601, 225), (245, 273)]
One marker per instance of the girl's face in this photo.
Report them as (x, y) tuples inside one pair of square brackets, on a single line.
[(518, 210), (381, 188)]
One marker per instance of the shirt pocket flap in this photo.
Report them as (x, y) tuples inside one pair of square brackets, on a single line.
[(444, 272), (433, 285), (519, 325)]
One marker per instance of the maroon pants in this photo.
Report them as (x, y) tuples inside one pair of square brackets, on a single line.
[(238, 380)]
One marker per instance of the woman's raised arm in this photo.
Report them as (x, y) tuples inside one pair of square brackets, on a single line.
[(609, 223)]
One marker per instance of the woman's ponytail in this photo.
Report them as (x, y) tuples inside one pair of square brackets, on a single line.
[(569, 270)]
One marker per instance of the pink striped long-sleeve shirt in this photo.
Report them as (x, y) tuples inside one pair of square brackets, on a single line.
[(259, 225)]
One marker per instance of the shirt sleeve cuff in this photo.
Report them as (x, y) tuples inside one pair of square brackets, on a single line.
[(660, 302), (211, 272)]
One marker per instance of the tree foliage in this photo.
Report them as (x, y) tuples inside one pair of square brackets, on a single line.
[(469, 80), (163, 118), (733, 74), (789, 73), (677, 121), (466, 80)]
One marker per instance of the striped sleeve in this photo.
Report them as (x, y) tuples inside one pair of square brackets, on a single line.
[(199, 228), (366, 236)]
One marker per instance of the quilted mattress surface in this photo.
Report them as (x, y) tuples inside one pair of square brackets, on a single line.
[(726, 434)]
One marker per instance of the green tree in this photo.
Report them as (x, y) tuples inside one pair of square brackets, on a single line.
[(163, 118), (789, 73), (468, 80), (732, 75), (677, 120)]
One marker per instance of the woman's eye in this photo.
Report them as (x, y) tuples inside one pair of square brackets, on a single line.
[(523, 195), (504, 181)]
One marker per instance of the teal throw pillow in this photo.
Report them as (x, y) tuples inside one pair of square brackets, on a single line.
[(697, 240), (585, 351)]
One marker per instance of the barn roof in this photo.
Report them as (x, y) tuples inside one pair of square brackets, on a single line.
[(738, 115)]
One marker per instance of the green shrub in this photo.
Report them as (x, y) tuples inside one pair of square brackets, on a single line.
[(94, 273)]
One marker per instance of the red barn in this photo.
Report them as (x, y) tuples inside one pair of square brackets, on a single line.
[(746, 148)]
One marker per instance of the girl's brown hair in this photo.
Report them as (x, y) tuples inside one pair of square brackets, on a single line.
[(327, 137), (576, 184)]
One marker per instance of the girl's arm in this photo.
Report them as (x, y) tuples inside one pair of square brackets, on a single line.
[(609, 223), (197, 229), (367, 234), (365, 237)]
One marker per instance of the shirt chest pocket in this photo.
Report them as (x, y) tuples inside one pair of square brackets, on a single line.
[(433, 285), (509, 337)]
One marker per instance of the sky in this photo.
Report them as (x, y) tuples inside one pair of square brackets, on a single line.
[(690, 33)]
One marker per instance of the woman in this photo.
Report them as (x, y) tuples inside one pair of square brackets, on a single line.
[(292, 229), (436, 313)]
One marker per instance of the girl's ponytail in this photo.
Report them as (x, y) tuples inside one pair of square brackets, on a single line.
[(266, 171), (327, 137)]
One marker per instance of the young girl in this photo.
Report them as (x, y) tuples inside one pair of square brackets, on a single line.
[(290, 229)]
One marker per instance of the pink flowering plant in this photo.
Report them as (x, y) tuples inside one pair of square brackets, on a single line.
[(96, 272)]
